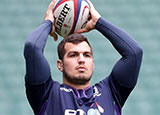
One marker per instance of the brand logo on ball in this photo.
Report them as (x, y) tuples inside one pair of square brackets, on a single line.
[(61, 18)]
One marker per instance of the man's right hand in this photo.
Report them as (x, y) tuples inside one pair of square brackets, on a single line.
[(49, 16)]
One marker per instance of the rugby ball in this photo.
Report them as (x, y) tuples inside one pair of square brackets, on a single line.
[(70, 15)]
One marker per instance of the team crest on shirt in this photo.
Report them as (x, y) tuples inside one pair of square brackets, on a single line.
[(96, 92)]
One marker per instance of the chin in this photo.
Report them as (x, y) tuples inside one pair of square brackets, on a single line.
[(80, 78)]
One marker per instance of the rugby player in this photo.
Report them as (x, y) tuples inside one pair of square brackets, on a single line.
[(76, 96)]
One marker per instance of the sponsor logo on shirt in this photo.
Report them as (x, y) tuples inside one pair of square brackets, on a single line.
[(81, 112), (97, 111), (74, 112), (66, 89)]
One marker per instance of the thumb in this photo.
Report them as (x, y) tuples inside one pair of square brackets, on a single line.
[(53, 34)]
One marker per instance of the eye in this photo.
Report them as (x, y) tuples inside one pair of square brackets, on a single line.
[(73, 54), (87, 54)]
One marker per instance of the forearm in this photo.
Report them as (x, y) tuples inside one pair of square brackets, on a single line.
[(37, 67), (126, 70)]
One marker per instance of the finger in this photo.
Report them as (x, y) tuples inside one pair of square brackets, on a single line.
[(54, 1), (49, 12), (54, 35), (51, 6), (90, 4)]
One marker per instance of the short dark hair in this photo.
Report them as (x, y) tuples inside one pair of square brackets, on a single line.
[(73, 38)]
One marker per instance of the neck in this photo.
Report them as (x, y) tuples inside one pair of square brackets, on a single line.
[(76, 86)]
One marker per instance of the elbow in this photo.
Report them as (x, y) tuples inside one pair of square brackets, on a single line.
[(136, 51), (135, 56), (28, 48), (29, 44), (139, 52)]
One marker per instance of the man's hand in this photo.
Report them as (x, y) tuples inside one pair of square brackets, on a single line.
[(94, 16), (49, 16)]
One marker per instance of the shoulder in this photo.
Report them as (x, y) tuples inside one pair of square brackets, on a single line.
[(102, 86)]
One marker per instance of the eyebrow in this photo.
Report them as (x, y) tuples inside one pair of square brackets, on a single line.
[(85, 52), (78, 52)]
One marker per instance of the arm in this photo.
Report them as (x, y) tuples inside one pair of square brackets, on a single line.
[(38, 76), (126, 70), (37, 67), (124, 75)]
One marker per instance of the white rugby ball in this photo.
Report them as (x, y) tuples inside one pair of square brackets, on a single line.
[(70, 15)]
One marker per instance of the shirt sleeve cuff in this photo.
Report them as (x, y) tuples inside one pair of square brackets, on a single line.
[(49, 23)]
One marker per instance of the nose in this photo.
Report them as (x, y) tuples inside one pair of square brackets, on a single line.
[(81, 59)]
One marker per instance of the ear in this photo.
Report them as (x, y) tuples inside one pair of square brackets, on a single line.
[(60, 65)]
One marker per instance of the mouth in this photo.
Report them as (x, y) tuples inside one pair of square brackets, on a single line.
[(81, 68)]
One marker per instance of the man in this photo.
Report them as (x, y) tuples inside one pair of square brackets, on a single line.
[(76, 96)]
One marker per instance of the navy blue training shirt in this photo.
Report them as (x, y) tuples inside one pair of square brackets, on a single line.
[(48, 97)]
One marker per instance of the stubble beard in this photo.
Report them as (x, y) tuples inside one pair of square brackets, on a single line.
[(77, 80)]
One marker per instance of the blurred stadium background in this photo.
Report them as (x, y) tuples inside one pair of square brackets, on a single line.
[(140, 18)]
